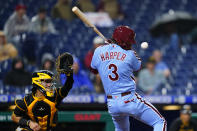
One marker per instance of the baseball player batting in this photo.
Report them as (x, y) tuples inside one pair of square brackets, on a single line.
[(116, 63)]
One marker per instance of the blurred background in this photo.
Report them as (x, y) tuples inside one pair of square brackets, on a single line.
[(34, 32)]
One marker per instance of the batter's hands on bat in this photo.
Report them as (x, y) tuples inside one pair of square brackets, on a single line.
[(34, 126), (108, 41)]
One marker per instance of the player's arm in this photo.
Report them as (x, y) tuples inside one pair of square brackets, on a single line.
[(94, 62), (25, 123), (95, 71), (18, 116), (136, 65), (63, 91)]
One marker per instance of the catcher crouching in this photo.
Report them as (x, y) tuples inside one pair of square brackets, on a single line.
[(37, 111)]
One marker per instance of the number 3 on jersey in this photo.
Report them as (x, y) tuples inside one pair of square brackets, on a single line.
[(114, 69)]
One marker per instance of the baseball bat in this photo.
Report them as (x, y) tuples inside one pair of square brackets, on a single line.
[(81, 15)]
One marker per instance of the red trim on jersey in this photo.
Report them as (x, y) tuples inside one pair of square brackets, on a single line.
[(95, 71), (139, 59), (128, 101), (164, 127)]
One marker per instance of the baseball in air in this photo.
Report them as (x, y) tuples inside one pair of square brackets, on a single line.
[(144, 45)]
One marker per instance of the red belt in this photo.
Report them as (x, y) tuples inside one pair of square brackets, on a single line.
[(122, 94)]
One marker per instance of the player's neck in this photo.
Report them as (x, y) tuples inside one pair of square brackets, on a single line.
[(38, 94)]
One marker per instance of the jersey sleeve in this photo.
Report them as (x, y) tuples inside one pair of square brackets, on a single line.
[(64, 90), (136, 61), (95, 59), (20, 109)]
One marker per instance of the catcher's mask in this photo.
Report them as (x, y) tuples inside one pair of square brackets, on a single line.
[(124, 36), (43, 80)]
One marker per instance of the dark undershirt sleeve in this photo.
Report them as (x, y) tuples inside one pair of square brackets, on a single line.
[(20, 109), (64, 90)]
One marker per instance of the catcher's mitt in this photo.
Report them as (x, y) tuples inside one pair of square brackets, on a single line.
[(64, 63)]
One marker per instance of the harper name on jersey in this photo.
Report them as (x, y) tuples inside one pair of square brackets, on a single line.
[(113, 55)]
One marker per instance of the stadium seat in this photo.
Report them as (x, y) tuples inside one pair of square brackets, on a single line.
[(76, 38)]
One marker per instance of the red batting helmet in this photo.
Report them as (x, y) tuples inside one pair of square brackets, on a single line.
[(124, 36)]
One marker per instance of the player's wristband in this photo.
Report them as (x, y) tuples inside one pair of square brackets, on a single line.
[(23, 122)]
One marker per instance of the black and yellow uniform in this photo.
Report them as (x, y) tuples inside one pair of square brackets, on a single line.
[(42, 110), (178, 125)]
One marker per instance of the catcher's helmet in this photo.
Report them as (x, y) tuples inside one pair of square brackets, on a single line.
[(43, 76), (124, 36)]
